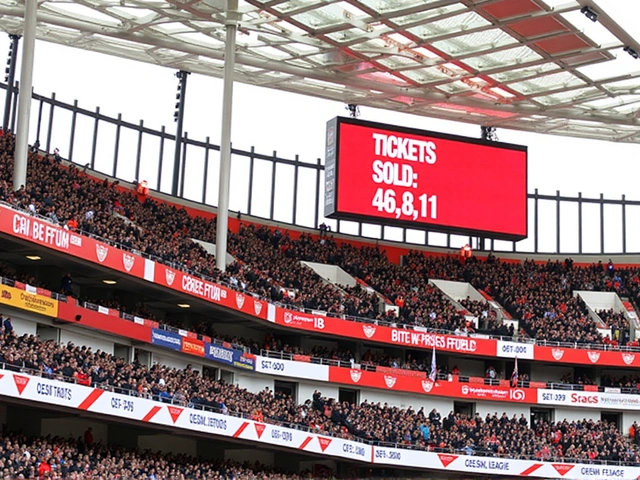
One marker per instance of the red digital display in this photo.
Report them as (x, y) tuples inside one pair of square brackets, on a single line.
[(396, 176)]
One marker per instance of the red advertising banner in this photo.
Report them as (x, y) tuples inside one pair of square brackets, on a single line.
[(382, 334), (404, 383), (587, 357), (211, 292), (401, 371), (193, 346), (48, 235), (76, 315)]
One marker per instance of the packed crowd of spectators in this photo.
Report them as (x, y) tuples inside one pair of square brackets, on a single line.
[(618, 324), (268, 262), (488, 322), (613, 320), (370, 421), (80, 459), (624, 381)]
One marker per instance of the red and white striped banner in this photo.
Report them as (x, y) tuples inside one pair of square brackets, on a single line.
[(53, 392)]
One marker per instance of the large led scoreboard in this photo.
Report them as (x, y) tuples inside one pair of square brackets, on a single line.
[(398, 176)]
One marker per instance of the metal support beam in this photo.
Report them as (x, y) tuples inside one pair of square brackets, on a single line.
[(139, 152), (624, 224), (160, 160), (274, 172), (316, 200), (579, 222), (116, 147), (179, 117), (183, 164), (24, 98), (40, 106), (231, 26), (14, 106), (557, 221), (94, 144), (205, 176), (535, 222), (601, 223), (52, 107), (72, 136), (11, 75), (294, 206), (250, 187)]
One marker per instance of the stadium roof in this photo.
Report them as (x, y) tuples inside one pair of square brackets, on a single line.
[(525, 64)]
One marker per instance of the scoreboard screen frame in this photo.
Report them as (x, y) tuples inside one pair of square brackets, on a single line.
[(423, 157)]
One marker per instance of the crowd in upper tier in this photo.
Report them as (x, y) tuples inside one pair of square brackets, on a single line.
[(273, 346), (268, 262), (585, 440), (44, 458)]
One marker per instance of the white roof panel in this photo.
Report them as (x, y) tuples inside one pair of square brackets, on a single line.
[(526, 64)]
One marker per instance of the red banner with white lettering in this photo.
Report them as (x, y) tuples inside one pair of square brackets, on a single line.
[(587, 357), (453, 389), (377, 333), (209, 291), (51, 236)]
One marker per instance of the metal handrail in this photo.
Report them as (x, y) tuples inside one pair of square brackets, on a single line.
[(305, 428), (176, 266), (574, 387)]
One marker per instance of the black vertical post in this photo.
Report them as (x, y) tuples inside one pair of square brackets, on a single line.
[(448, 240), (492, 244), (359, 229), (579, 222), (95, 139), (116, 147), (10, 78), (601, 223), (624, 224), (404, 235), (160, 158), (535, 221), (183, 163), (206, 170), (274, 172), (317, 199), (39, 119), (295, 192), (14, 111), (72, 136), (179, 118), (250, 194), (557, 221), (139, 151), (50, 128)]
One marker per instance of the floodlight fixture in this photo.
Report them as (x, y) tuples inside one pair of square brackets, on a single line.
[(589, 13)]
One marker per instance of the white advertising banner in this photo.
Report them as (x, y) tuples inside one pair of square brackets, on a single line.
[(27, 387), (289, 368), (523, 351), (588, 399), (500, 466)]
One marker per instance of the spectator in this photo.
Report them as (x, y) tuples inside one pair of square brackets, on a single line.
[(88, 437), (7, 325), (66, 284)]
